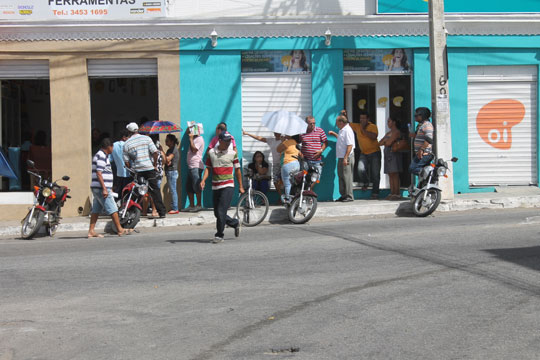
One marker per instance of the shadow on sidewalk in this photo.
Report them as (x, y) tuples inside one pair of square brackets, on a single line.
[(200, 241)]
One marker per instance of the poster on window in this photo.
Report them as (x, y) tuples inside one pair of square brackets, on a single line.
[(392, 60), (293, 61), (80, 9), (457, 6)]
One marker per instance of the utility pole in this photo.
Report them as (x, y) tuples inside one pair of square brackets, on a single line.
[(440, 103)]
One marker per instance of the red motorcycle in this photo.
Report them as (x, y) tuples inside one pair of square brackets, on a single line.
[(129, 202), (49, 198)]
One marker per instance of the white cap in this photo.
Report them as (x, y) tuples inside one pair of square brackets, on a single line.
[(132, 127)]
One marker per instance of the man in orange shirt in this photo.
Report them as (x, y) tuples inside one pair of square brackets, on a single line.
[(369, 164)]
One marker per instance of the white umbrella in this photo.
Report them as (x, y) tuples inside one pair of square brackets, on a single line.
[(284, 122)]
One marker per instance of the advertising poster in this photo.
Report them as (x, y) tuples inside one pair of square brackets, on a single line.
[(458, 6), (276, 61), (80, 9), (395, 60)]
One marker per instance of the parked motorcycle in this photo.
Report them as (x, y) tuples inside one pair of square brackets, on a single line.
[(303, 203), (49, 198), (427, 196), (129, 202)]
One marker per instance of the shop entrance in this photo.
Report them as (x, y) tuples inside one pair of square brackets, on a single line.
[(381, 96), (115, 102), (25, 129)]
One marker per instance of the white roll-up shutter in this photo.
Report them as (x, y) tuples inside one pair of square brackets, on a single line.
[(24, 69), (119, 68), (502, 140), (262, 93)]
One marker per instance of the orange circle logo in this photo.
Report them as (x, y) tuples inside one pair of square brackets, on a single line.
[(496, 119)]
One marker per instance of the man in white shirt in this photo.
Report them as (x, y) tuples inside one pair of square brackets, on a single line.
[(345, 155)]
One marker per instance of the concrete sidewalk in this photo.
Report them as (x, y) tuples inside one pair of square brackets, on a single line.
[(502, 198)]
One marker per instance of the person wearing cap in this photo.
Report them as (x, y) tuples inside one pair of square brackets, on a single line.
[(137, 150), (423, 140), (221, 127), (223, 162)]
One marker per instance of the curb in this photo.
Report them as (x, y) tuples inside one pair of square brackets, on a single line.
[(278, 214)]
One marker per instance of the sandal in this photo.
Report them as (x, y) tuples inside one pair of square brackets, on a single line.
[(125, 232), (94, 236)]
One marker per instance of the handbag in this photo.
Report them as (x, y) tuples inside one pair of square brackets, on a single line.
[(401, 145)]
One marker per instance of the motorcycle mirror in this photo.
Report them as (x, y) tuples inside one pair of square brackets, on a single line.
[(30, 163), (65, 178), (299, 147), (454, 159)]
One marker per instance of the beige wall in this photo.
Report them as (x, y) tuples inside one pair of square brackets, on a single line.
[(70, 102)]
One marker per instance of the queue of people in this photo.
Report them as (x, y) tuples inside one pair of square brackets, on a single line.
[(148, 159)]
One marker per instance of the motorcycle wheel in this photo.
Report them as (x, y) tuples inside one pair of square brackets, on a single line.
[(425, 207), (31, 225), (252, 215), (302, 213), (131, 219)]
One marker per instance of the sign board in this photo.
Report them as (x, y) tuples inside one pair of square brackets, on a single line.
[(39, 10), (396, 60), (459, 6), (295, 61)]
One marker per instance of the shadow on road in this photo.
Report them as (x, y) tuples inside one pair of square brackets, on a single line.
[(528, 257), (405, 210), (200, 241)]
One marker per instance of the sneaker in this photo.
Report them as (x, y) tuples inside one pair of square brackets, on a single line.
[(237, 230), (195, 209), (188, 209), (173, 212), (217, 240)]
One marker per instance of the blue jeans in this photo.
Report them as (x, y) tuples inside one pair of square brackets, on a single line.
[(261, 185), (172, 177), (286, 170), (417, 164), (369, 170)]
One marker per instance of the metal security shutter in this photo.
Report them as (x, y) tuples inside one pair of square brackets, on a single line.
[(119, 68), (24, 69), (262, 93), (502, 129)]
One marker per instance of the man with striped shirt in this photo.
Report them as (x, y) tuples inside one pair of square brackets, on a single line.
[(137, 151), (101, 186), (224, 164), (314, 141)]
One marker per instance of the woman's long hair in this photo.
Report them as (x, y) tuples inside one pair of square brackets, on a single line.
[(172, 138), (264, 163), (303, 60)]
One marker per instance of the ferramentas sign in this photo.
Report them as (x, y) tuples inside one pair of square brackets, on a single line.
[(459, 6), (81, 9)]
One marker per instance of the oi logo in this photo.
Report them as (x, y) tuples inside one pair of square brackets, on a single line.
[(495, 120)]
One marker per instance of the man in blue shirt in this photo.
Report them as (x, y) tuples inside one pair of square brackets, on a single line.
[(122, 177)]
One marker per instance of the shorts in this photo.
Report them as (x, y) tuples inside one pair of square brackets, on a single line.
[(100, 204), (276, 172), (193, 182)]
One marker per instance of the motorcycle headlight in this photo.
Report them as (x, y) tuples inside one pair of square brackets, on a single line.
[(314, 177), (143, 189), (46, 192), (441, 171)]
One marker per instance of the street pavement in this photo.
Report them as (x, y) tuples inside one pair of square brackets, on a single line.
[(457, 285)]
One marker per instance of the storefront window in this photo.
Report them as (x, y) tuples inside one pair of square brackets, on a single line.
[(25, 129)]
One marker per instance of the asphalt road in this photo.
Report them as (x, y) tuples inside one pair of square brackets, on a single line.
[(453, 286)]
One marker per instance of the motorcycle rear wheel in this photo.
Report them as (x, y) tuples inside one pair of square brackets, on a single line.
[(302, 213), (31, 225), (426, 207)]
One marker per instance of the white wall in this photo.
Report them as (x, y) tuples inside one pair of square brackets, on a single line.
[(205, 9)]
